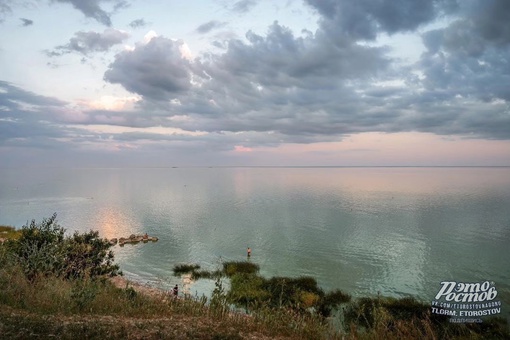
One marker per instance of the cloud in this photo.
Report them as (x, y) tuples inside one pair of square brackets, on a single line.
[(484, 25), (244, 6), (156, 70), (209, 26), (288, 86), (5, 6), (92, 9), (11, 97), (265, 90), (241, 148), (89, 42), (26, 22), (469, 57), (490, 21), (280, 88), (26, 118), (5, 9), (365, 19), (137, 23)]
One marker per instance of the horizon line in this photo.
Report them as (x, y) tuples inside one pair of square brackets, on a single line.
[(262, 166)]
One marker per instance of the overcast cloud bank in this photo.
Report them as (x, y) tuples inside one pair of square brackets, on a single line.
[(284, 86)]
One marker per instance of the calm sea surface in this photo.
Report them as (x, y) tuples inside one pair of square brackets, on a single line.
[(397, 231)]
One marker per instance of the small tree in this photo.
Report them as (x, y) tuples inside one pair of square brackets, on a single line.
[(39, 248), (43, 249), (87, 255)]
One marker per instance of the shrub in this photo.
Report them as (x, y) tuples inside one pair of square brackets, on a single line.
[(39, 249), (205, 274), (43, 249), (247, 289), (286, 291), (237, 267), (87, 255), (331, 301), (391, 314), (219, 304), (185, 268)]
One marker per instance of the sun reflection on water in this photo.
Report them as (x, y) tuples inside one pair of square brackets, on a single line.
[(114, 223)]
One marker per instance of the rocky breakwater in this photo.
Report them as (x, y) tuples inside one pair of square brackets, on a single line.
[(133, 239)]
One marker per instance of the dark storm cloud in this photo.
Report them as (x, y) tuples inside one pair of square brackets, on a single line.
[(209, 26), (156, 70), (89, 42), (92, 8), (26, 22)]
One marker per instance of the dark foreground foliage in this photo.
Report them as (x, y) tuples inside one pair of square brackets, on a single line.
[(301, 294), (365, 318), (408, 317), (240, 267), (185, 268), (43, 249)]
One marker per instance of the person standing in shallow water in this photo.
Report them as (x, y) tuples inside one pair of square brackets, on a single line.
[(176, 290), (249, 251)]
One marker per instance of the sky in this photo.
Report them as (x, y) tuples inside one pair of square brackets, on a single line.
[(101, 83)]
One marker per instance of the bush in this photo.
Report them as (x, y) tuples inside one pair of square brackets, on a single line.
[(369, 312), (185, 269), (39, 249), (43, 249), (331, 301), (286, 291), (247, 290), (205, 274), (240, 267), (87, 255)]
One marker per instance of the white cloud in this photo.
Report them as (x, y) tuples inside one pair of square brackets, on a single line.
[(148, 36)]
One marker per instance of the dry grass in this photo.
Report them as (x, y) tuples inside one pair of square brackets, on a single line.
[(118, 309), (52, 307), (8, 233)]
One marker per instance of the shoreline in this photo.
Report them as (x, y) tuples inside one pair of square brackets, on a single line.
[(122, 282)]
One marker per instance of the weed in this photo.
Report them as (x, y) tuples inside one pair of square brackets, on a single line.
[(238, 267), (185, 269)]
